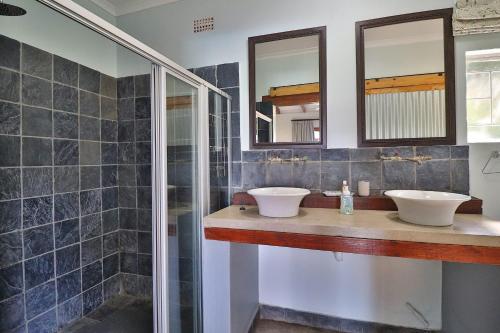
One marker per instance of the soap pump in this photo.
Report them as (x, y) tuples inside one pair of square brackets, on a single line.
[(346, 200)]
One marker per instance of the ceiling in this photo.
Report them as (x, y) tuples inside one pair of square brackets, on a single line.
[(287, 47), (404, 33), (122, 7)]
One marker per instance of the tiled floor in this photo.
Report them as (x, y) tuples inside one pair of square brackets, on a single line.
[(268, 326), (122, 314)]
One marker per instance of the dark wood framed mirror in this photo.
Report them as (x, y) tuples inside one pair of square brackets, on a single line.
[(406, 80), (287, 89)]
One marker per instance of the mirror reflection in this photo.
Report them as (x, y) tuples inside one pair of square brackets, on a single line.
[(404, 88), (287, 90)]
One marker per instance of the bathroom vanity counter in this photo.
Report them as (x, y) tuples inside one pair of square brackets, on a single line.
[(473, 238)]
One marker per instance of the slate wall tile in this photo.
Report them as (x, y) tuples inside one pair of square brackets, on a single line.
[(38, 270), (67, 259), (37, 122), (66, 152), (11, 250), (110, 220), (37, 211), (65, 98), (47, 322), (434, 175), (11, 183), (66, 206), (65, 125), (92, 299), (10, 118), (89, 79), (40, 298), (68, 286), (69, 311), (125, 87), (10, 215), (111, 265), (37, 152), (9, 85), (10, 151), (91, 250), (11, 281), (36, 92), (11, 51), (38, 241), (36, 62), (89, 104), (67, 233), (91, 275), (66, 179), (65, 71), (109, 108), (12, 311), (91, 226), (369, 171)]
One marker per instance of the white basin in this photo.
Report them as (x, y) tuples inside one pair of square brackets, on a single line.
[(279, 201), (427, 207)]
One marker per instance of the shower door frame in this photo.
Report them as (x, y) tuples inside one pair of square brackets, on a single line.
[(161, 65)]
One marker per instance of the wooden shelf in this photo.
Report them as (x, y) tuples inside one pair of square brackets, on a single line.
[(472, 239), (376, 247)]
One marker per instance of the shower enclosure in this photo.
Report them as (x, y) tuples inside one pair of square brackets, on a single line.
[(110, 154)]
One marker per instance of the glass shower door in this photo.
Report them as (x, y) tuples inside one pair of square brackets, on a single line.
[(184, 214)]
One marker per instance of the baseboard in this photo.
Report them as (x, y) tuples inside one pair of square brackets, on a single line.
[(331, 323), (254, 320)]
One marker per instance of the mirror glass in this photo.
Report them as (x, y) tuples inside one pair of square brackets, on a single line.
[(404, 87), (287, 91)]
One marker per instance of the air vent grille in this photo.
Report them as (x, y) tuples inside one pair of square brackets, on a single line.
[(203, 24)]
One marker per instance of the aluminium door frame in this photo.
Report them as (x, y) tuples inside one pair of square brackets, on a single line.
[(161, 66)]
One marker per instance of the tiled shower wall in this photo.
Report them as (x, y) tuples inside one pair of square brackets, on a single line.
[(134, 181), (59, 195), (325, 169)]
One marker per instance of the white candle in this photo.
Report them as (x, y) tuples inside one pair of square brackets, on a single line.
[(363, 188)]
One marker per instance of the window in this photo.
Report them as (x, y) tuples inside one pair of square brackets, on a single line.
[(483, 96)]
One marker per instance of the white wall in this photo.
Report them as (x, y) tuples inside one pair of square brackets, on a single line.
[(53, 32), (405, 59), (283, 123), (169, 29), (285, 71)]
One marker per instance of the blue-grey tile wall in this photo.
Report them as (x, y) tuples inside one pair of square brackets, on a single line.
[(59, 211), (325, 169), (133, 176)]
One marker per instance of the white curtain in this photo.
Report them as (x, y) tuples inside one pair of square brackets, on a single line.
[(476, 17), (303, 130), (419, 114)]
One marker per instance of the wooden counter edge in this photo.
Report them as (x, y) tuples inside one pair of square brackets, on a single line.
[(376, 247)]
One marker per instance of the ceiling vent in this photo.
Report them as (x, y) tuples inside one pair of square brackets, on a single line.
[(203, 24)]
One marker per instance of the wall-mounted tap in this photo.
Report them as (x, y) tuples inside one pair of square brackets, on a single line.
[(278, 159), (419, 159)]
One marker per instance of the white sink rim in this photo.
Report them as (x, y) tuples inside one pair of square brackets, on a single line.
[(279, 201), (427, 208), (279, 191), (427, 195)]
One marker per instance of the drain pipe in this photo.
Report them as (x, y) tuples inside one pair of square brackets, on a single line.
[(420, 317)]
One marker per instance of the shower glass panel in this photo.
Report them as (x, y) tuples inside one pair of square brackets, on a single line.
[(219, 139), (184, 215), (75, 178)]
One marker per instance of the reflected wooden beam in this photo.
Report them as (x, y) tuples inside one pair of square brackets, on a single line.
[(296, 89), (291, 100), (409, 83), (179, 102)]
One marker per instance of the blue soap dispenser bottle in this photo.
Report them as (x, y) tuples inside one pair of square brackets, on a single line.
[(346, 200)]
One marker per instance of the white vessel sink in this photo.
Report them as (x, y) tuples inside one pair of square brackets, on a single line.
[(427, 207), (279, 201)]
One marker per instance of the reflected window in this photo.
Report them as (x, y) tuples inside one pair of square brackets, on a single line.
[(483, 95)]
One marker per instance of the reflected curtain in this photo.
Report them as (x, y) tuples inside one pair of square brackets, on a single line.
[(418, 114), (476, 17), (303, 130)]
